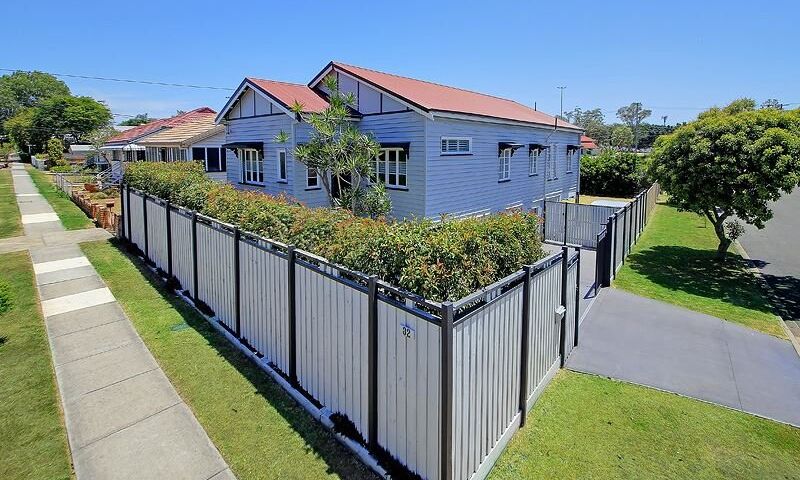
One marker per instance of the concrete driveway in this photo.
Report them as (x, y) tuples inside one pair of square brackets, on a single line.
[(776, 251), (588, 259), (651, 343)]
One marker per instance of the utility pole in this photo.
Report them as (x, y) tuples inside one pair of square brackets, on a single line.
[(664, 118), (562, 101)]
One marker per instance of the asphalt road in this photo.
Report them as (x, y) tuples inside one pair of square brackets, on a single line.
[(776, 251)]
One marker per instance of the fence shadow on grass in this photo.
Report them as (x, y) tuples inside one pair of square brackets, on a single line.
[(338, 459), (698, 272)]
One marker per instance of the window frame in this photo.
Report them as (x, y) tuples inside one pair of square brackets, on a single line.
[(444, 152), (392, 185), (552, 170), (245, 161), (281, 152), (534, 156), (315, 176), (504, 165)]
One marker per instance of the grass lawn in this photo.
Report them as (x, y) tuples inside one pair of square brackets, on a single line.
[(592, 427), (259, 429), (674, 262), (10, 225), (33, 440), (70, 215)]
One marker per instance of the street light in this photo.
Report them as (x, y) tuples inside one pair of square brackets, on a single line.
[(562, 100)]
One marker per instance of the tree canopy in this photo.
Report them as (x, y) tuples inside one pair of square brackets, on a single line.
[(26, 89), (730, 162), (633, 115), (139, 119)]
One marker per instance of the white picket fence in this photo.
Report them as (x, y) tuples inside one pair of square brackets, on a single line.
[(440, 387)]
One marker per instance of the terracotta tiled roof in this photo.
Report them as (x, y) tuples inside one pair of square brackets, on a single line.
[(200, 125), (588, 142), (288, 93), (435, 97), (140, 131)]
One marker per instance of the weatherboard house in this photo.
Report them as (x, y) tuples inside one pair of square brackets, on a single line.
[(444, 150)]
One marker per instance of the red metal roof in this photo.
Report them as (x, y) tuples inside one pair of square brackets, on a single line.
[(433, 96), (588, 142), (289, 93), (140, 131)]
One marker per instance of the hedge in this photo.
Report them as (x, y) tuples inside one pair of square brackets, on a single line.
[(440, 261), (613, 173)]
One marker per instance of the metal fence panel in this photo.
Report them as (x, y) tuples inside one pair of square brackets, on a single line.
[(332, 337), (136, 220), (264, 302), (544, 329), (157, 232), (182, 265), (572, 305), (486, 363), (584, 222), (554, 221), (409, 386), (215, 272)]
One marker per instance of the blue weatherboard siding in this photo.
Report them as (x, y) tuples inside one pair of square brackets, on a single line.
[(468, 184)]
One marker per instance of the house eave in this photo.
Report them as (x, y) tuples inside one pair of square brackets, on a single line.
[(504, 121)]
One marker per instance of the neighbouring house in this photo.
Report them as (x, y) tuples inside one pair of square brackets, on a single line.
[(589, 145), (77, 153), (127, 147), (445, 150)]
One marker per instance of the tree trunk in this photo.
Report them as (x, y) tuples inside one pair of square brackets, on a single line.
[(724, 242)]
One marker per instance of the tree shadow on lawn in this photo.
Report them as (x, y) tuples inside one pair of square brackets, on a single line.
[(786, 290), (698, 272), (318, 439)]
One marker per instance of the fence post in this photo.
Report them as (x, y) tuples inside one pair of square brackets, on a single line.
[(144, 223), (236, 282), (631, 238), (122, 207), (614, 247), (624, 231), (292, 316), (577, 296), (523, 362), (562, 336), (168, 220), (447, 391), (372, 366), (566, 223), (195, 282), (128, 205), (544, 218)]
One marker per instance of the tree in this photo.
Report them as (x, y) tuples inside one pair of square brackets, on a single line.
[(633, 115), (21, 90), (55, 152), (772, 103), (97, 138), (730, 162), (591, 121), (75, 116), (621, 136), (139, 119), (342, 156), (651, 131), (20, 127)]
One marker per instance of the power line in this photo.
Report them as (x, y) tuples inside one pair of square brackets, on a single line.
[(122, 80)]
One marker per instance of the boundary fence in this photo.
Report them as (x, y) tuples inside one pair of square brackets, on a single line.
[(440, 387), (610, 231)]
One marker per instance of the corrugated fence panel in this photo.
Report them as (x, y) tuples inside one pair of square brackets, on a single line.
[(486, 363), (585, 222), (620, 231), (554, 221), (136, 220), (216, 276), (572, 279), (157, 233), (332, 343), (409, 385), (182, 268), (544, 330), (264, 297)]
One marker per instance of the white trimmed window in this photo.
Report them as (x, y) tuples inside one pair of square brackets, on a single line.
[(391, 167), (571, 154), (534, 155), (252, 166), (504, 165), (282, 174), (213, 158), (551, 163), (456, 145), (312, 178)]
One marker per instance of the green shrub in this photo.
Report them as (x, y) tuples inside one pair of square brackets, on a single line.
[(446, 260), (5, 297), (60, 169), (613, 173)]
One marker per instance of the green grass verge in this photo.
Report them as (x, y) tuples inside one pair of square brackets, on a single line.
[(33, 440), (10, 223), (70, 215), (675, 262), (592, 427), (259, 429)]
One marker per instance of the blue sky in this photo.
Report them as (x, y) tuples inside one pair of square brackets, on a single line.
[(676, 57)]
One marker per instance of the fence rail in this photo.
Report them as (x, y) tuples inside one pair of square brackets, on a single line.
[(440, 387)]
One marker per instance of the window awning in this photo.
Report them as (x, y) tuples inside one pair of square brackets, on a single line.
[(254, 145), (536, 146), (573, 147), (402, 145), (505, 145)]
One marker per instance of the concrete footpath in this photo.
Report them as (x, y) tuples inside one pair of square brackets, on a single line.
[(652, 343), (124, 419)]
